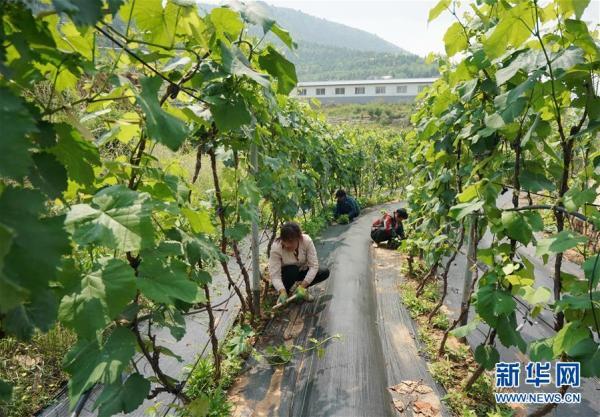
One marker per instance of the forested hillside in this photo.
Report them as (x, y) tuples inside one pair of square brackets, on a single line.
[(318, 62)]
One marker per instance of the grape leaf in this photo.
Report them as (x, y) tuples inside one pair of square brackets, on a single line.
[(118, 218), (166, 280), (89, 362), (487, 356), (235, 63), (558, 243), (516, 226), (37, 244), (83, 12), (279, 67), (48, 174), (438, 9), (16, 123), (568, 337), (160, 125), (77, 154), (103, 293), (38, 313), (124, 398)]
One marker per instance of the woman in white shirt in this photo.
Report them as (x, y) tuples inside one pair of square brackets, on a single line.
[(294, 258)]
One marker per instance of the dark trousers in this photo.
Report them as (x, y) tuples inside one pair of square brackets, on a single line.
[(380, 235), (291, 273)]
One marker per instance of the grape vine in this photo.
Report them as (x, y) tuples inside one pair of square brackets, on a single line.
[(517, 111), (103, 235)]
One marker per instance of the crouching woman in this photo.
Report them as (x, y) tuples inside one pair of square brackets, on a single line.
[(294, 259)]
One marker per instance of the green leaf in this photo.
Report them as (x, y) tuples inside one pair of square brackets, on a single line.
[(591, 267), (487, 356), (575, 198), (83, 12), (464, 331), (77, 154), (438, 9), (33, 237), (534, 181), (160, 125), (516, 226), (279, 67), (226, 21), (535, 220), (199, 407), (588, 353), (541, 350), (166, 280), (538, 129), (235, 63), (508, 334), (455, 39), (199, 220), (284, 35), (89, 363), (568, 7), (559, 243), (567, 337), (48, 174), (494, 121), (527, 61), (539, 295), (16, 124), (230, 115), (467, 89), (38, 313), (118, 218), (117, 398), (492, 303), (461, 210), (157, 24), (511, 30), (102, 295)]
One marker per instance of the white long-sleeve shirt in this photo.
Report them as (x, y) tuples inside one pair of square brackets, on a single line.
[(305, 259)]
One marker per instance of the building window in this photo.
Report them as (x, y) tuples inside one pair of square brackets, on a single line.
[(401, 89), (379, 90), (302, 91), (340, 91), (320, 91), (422, 87), (359, 90)]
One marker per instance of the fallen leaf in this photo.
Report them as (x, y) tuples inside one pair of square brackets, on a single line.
[(399, 406)]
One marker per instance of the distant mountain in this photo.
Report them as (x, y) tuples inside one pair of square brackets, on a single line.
[(316, 62), (333, 51)]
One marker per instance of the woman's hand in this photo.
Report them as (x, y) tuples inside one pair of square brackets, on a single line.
[(301, 293), (282, 296)]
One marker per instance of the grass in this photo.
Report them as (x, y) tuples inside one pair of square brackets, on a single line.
[(379, 114), (201, 385), (34, 370), (457, 364)]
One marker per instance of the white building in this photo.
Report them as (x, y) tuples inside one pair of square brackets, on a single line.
[(363, 91)]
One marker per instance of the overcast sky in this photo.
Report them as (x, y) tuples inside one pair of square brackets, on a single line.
[(402, 22)]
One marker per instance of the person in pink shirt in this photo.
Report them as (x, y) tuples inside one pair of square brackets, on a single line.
[(294, 259)]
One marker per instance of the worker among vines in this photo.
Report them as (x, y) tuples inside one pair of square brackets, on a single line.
[(389, 228), (345, 206), (293, 259)]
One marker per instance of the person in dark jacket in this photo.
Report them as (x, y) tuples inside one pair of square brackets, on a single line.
[(389, 228), (345, 205)]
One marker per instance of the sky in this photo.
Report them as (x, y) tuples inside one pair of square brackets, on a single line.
[(402, 22)]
